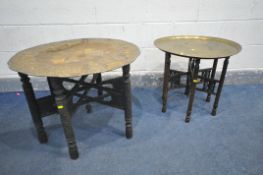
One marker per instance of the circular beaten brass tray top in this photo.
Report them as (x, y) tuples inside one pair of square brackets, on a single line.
[(198, 46), (71, 58)]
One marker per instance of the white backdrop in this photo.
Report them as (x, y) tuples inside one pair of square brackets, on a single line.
[(26, 23)]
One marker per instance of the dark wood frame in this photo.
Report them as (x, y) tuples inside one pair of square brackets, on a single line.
[(194, 76), (60, 101)]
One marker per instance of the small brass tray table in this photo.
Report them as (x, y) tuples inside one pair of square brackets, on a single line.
[(196, 48)]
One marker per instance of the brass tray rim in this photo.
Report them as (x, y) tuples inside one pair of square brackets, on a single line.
[(239, 47), (77, 75)]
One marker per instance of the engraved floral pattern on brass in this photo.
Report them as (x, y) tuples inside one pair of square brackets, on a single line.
[(72, 58), (198, 46)]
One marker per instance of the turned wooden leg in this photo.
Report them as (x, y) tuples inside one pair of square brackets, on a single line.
[(166, 79), (188, 77), (98, 81), (127, 100), (220, 86), (50, 87), (210, 84), (194, 81), (33, 107), (62, 102)]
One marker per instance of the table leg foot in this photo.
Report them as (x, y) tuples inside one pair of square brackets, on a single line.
[(42, 136), (213, 113), (208, 99), (73, 152), (128, 132), (187, 119), (88, 108), (164, 108)]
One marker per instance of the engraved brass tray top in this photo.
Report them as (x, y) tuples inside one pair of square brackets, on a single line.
[(71, 58), (205, 47)]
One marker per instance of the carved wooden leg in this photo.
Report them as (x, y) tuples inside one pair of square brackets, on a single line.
[(63, 106), (33, 107), (194, 80), (127, 100), (166, 79), (220, 86), (210, 84)]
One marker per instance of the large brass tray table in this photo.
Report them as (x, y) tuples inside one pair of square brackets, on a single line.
[(61, 62), (196, 48)]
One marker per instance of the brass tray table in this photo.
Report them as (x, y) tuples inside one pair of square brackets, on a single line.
[(196, 48), (61, 62)]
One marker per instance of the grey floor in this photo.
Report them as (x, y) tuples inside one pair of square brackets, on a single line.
[(230, 143)]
